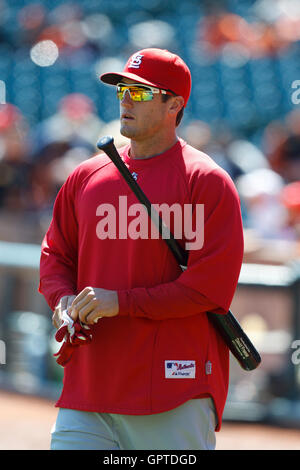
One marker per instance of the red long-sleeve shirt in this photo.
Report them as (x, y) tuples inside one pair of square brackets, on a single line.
[(162, 319)]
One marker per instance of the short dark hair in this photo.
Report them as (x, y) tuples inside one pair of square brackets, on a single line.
[(179, 116)]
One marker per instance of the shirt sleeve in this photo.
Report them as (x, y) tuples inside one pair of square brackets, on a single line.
[(210, 280), (58, 262)]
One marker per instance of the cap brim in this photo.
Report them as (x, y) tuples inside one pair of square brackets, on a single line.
[(115, 78)]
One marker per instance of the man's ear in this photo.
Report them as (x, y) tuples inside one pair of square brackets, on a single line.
[(175, 104)]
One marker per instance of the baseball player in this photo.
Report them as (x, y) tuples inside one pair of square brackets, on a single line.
[(144, 368)]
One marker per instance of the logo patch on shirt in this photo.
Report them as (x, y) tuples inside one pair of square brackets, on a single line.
[(180, 369)]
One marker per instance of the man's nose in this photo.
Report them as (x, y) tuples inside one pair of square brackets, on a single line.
[(126, 97)]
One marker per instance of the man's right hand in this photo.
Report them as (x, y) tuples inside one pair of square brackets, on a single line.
[(64, 304)]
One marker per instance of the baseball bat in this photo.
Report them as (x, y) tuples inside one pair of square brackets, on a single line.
[(227, 325)]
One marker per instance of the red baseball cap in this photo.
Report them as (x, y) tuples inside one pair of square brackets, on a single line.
[(158, 68)]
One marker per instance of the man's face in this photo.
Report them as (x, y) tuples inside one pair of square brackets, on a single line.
[(142, 120)]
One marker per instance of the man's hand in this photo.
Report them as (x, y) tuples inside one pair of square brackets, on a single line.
[(64, 304), (72, 333), (93, 303)]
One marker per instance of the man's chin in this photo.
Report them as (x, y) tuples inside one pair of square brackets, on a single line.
[(127, 132)]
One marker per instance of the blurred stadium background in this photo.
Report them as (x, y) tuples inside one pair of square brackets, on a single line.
[(244, 112)]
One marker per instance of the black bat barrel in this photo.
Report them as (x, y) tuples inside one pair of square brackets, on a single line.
[(236, 339)]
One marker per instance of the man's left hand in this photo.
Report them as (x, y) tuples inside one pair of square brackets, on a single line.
[(93, 303)]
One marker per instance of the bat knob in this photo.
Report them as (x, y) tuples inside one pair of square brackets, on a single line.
[(105, 142)]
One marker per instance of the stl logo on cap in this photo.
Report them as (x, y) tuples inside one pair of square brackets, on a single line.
[(135, 61)]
